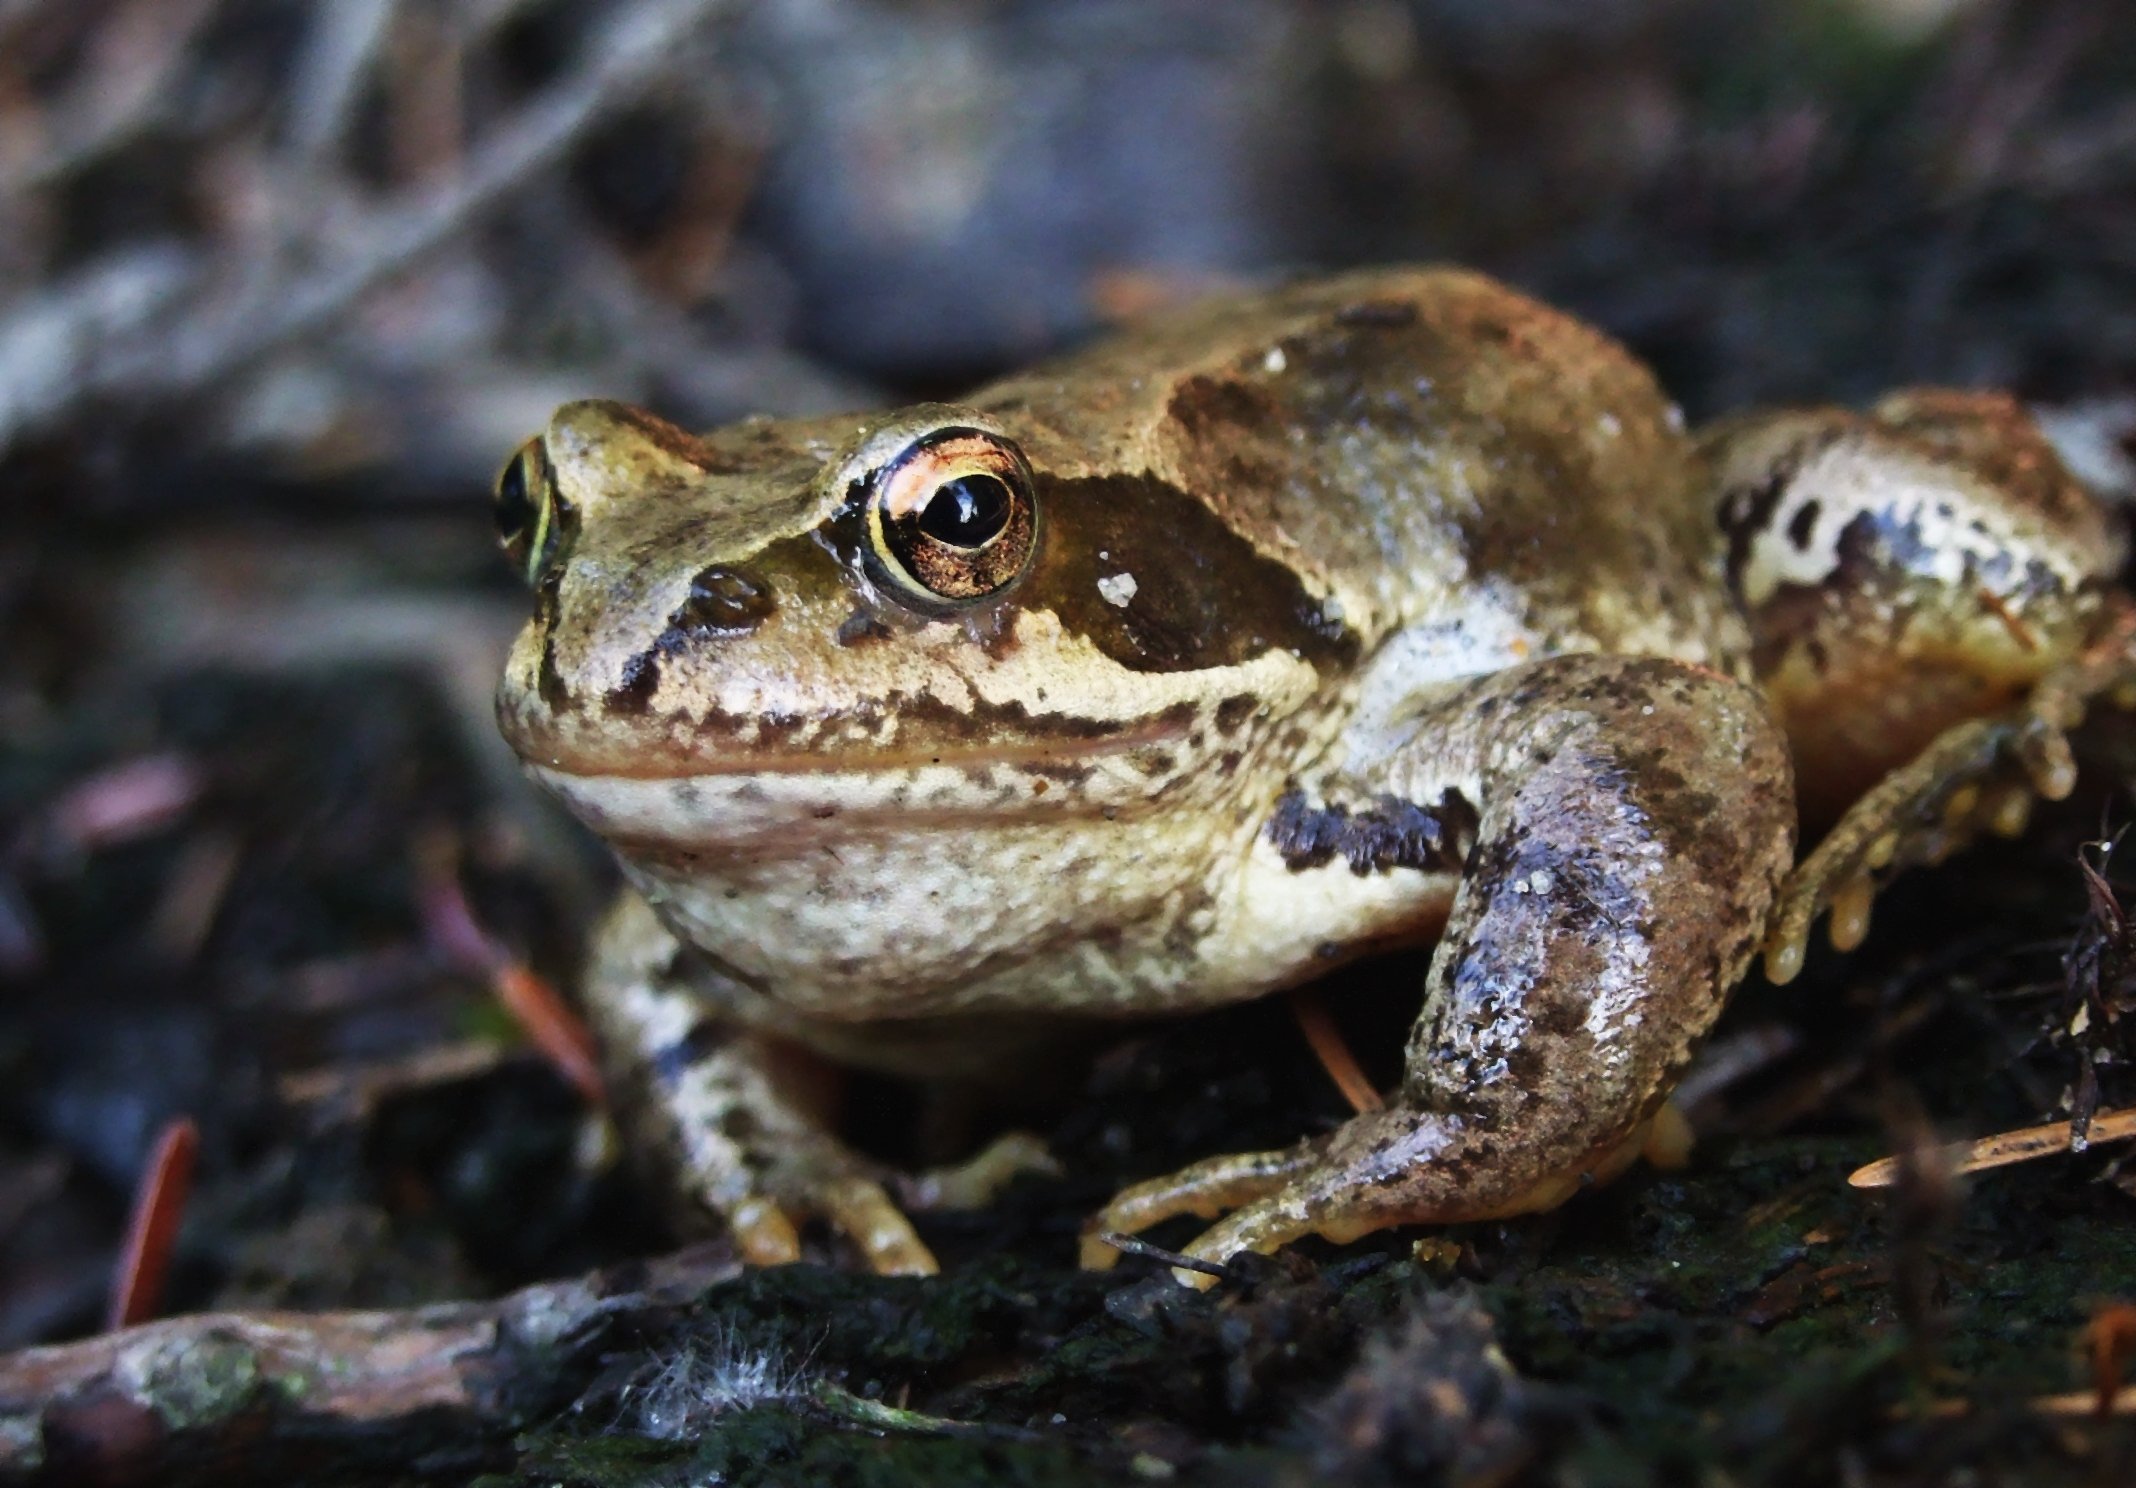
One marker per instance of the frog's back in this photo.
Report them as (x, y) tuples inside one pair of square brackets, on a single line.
[(1432, 450)]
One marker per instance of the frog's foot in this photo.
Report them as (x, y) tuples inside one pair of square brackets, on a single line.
[(745, 1147), (1204, 1189), (1978, 777), (736, 1118), (763, 1210), (1385, 1168)]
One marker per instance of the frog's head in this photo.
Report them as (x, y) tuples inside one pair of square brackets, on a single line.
[(789, 635)]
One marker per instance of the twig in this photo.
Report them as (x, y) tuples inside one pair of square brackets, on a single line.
[(345, 39), (1130, 1245), (125, 94), (2005, 1148), (636, 47), (152, 1232), (1333, 1052), (538, 1008), (155, 325), (265, 1397)]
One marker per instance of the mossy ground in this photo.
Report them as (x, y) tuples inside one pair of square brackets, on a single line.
[(1749, 1319)]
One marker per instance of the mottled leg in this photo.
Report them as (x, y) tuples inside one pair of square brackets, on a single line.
[(1636, 818), (735, 1114), (1977, 776)]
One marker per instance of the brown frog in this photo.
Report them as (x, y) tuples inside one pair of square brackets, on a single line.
[(1381, 609)]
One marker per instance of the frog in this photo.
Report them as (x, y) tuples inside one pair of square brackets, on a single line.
[(1386, 609)]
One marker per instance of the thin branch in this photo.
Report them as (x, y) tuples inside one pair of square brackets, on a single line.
[(636, 48), (345, 39), (253, 1397), (126, 94), (151, 328)]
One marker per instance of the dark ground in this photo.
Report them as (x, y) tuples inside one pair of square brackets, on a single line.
[(276, 297)]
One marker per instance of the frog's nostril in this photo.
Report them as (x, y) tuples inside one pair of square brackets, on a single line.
[(726, 600)]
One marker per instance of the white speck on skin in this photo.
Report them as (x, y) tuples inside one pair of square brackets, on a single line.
[(1275, 361), (1675, 417), (1610, 425), (1118, 588)]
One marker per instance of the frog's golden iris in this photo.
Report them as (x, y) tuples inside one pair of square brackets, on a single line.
[(952, 519)]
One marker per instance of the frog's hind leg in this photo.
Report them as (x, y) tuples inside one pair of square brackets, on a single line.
[(1930, 599), (1978, 776), (1635, 822), (732, 1113)]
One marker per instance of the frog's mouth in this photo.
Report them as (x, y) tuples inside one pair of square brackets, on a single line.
[(797, 806), (711, 797), (905, 735)]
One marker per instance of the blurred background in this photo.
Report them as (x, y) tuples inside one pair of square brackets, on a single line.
[(281, 284)]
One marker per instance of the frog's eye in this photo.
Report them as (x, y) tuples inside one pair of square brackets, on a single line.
[(952, 518), (532, 521)]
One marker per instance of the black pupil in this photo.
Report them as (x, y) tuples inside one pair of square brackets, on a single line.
[(514, 512), (968, 512)]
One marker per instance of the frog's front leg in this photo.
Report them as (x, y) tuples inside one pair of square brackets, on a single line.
[(730, 1110), (1636, 817)]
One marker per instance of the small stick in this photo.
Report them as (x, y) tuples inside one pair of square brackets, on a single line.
[(1334, 1055), (553, 1027), (537, 1007), (1129, 1245), (152, 1229), (2005, 1148)]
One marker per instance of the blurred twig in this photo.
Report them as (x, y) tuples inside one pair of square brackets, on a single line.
[(310, 211)]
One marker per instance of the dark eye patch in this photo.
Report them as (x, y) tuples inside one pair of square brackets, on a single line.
[(1201, 596)]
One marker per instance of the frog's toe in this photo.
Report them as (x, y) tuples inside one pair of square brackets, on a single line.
[(866, 1215), (767, 1229), (1204, 1190), (1978, 777), (1263, 1227), (764, 1233), (978, 1180)]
